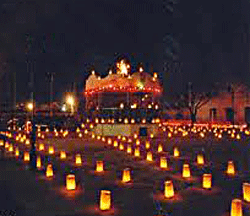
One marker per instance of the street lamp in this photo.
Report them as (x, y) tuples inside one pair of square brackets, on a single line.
[(71, 102), (30, 106)]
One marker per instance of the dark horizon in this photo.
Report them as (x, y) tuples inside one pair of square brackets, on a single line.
[(210, 43)]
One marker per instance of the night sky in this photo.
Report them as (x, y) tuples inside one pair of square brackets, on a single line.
[(209, 39)]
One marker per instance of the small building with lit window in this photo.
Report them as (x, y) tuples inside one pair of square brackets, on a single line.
[(231, 105)]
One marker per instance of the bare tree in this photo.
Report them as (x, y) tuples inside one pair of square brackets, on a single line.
[(193, 102)]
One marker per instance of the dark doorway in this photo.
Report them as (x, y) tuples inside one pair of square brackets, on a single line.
[(213, 114), (247, 115), (143, 131), (229, 114)]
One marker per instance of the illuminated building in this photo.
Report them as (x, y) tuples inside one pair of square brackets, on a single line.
[(229, 105), (131, 90)]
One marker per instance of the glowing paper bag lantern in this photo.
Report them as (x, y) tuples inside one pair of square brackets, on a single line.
[(78, 160), (176, 152), (207, 181), (137, 142), (7, 145), (51, 149), (38, 162), (236, 207), (160, 149), (126, 175), (129, 149), (49, 170), (246, 192), (27, 142), (1, 143), (109, 141), (137, 152), (99, 166), (17, 152), (169, 189), (105, 200), (126, 121), (26, 156), (115, 143), (70, 182), (11, 148), (147, 145), (62, 155), (41, 147), (238, 136), (121, 147), (149, 156), (186, 171), (230, 168), (200, 159), (163, 163)]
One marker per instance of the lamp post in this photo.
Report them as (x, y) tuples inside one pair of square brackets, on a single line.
[(71, 102), (30, 70), (31, 108)]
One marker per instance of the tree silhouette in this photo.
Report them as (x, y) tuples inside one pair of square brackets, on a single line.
[(193, 102)]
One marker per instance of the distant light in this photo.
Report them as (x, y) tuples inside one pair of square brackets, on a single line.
[(64, 108), (70, 100), (30, 106)]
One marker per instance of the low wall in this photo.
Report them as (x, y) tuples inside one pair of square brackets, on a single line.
[(123, 129)]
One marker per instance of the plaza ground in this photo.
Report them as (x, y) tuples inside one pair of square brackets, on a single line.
[(31, 194)]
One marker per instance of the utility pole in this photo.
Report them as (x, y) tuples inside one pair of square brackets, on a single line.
[(30, 69), (13, 85), (51, 80), (233, 98)]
